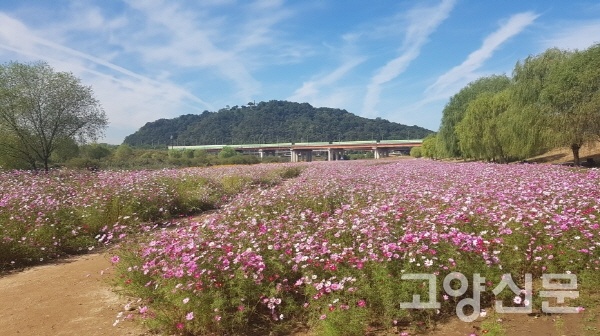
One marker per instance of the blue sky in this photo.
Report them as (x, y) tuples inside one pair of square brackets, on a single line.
[(395, 59)]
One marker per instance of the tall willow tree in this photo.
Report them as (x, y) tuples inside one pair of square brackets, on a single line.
[(40, 109), (429, 146), (572, 99), (479, 132), (456, 108), (526, 126)]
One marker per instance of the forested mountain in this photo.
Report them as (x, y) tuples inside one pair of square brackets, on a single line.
[(269, 122)]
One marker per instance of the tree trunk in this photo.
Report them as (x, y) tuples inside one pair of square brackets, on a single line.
[(575, 150)]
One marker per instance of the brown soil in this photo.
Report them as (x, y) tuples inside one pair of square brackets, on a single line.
[(522, 324), (565, 155), (71, 297)]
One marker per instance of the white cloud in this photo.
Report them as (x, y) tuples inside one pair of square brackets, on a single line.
[(186, 39), (464, 73), (573, 35), (311, 91), (14, 33), (422, 21), (201, 42), (159, 59), (130, 99)]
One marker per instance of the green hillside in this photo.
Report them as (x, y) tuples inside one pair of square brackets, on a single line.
[(269, 122)]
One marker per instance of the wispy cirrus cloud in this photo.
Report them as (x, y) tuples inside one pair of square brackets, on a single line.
[(162, 40), (573, 35), (128, 97), (185, 39), (464, 73), (223, 44), (159, 59), (421, 22), (312, 91), (30, 43)]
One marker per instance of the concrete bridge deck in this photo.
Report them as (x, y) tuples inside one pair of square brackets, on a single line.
[(302, 151)]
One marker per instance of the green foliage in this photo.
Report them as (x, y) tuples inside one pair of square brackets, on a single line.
[(240, 159), (94, 151), (269, 122), (82, 163), (479, 131), (42, 110), (14, 153), (492, 326), (552, 100), (290, 172), (10, 158), (66, 149), (416, 152), (456, 109), (572, 98), (429, 146), (526, 127), (123, 153), (227, 152)]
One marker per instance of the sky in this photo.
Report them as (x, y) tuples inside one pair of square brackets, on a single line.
[(399, 60)]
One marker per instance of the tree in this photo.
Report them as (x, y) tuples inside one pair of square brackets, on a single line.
[(66, 149), (227, 152), (526, 126), (11, 159), (572, 99), (456, 108), (123, 153), (429, 146), (40, 108), (94, 151), (479, 131), (416, 152)]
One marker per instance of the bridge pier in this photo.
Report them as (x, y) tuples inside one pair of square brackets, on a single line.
[(334, 154), (379, 153), (294, 155), (308, 155), (297, 153)]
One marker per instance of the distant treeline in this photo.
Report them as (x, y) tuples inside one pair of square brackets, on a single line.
[(269, 122), (551, 100)]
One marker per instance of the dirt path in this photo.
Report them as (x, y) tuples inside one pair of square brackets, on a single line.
[(74, 297), (71, 297)]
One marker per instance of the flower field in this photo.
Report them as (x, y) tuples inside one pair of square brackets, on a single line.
[(332, 250), (45, 216)]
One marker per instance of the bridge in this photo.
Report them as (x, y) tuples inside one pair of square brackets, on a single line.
[(303, 151)]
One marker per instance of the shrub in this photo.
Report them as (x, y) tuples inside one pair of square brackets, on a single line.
[(415, 152)]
